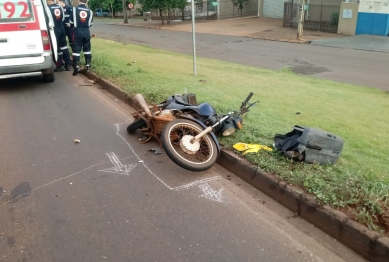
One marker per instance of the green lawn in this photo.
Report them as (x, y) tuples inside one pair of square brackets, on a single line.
[(360, 115)]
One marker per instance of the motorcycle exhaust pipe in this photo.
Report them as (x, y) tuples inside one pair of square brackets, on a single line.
[(142, 103)]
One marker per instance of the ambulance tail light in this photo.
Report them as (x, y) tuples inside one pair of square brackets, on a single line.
[(45, 40)]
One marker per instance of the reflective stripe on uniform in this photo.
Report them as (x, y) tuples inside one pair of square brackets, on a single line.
[(76, 54), (67, 15), (87, 53), (75, 17), (63, 48), (90, 18), (63, 14), (60, 53)]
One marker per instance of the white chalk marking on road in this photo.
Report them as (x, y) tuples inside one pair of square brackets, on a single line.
[(157, 177), (118, 168), (197, 182), (211, 194), (122, 123), (56, 180)]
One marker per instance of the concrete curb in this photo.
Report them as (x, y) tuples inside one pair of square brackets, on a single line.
[(142, 26), (352, 234), (279, 40)]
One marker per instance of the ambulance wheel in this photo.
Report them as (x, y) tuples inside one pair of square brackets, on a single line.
[(48, 76)]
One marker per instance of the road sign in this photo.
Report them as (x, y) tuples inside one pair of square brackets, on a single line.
[(131, 5)]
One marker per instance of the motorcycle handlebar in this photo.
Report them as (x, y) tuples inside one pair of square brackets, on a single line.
[(248, 98)]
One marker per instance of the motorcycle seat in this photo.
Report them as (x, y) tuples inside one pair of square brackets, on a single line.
[(204, 109)]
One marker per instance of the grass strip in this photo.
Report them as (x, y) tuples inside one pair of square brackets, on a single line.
[(357, 184)]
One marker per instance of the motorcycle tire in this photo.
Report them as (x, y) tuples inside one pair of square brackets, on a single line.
[(136, 125), (196, 157)]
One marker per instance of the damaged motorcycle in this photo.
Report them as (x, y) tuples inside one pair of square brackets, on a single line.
[(187, 131)]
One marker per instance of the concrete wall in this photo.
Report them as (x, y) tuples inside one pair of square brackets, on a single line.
[(321, 11), (325, 1), (347, 26)]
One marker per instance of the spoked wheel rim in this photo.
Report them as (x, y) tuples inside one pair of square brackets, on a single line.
[(193, 154)]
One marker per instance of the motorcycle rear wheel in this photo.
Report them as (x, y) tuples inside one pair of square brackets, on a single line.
[(136, 125), (175, 141)]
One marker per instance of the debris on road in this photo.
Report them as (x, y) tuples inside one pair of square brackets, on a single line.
[(156, 150), (77, 141), (88, 83)]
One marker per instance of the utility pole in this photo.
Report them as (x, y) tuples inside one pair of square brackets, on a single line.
[(300, 27), (125, 20), (194, 38)]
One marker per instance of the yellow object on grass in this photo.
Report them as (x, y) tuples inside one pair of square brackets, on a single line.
[(250, 148)]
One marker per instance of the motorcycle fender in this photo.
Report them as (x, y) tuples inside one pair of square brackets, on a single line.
[(204, 126)]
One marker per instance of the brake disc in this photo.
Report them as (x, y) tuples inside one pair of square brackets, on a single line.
[(188, 146)]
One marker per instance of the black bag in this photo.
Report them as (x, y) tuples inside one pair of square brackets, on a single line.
[(310, 145)]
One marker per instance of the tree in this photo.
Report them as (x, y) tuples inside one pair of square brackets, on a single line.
[(180, 4), (162, 5), (113, 5), (240, 4)]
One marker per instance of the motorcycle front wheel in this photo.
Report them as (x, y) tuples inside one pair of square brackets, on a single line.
[(176, 141)]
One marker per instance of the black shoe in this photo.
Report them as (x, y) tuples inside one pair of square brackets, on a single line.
[(67, 67), (76, 68), (88, 64)]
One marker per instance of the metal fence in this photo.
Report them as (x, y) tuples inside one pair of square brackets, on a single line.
[(318, 17), (209, 10)]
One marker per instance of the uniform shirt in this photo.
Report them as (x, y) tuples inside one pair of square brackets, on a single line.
[(58, 15), (81, 17), (68, 11)]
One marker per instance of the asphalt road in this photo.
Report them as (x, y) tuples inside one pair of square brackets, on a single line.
[(344, 65), (108, 198)]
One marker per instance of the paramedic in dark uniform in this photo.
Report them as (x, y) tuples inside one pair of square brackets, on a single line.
[(59, 30), (68, 27), (81, 19)]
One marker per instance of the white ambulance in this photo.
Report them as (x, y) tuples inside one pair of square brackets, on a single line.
[(26, 39)]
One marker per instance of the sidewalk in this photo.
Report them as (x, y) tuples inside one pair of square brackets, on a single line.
[(267, 29), (360, 42), (259, 28), (254, 27)]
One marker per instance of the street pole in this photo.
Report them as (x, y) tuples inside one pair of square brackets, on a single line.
[(218, 9), (125, 20), (194, 38), (301, 22)]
